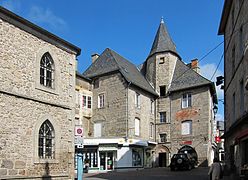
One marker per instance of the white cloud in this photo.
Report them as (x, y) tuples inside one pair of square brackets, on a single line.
[(46, 16), (12, 5), (207, 71), (219, 117)]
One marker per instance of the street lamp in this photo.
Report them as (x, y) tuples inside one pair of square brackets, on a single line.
[(215, 109)]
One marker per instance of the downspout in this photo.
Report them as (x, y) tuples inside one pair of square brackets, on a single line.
[(129, 83)]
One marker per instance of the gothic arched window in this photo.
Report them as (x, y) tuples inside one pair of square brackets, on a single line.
[(47, 70), (46, 140)]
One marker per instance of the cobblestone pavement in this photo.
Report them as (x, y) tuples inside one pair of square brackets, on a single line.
[(153, 174)]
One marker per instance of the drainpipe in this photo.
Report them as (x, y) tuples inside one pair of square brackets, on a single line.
[(129, 83)]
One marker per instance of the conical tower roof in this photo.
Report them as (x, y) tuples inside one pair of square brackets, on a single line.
[(163, 41)]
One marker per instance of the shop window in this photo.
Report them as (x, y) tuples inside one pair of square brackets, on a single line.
[(136, 156)]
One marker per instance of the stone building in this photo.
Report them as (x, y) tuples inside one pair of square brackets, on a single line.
[(184, 109), (142, 116), (37, 91), (234, 27), (122, 115)]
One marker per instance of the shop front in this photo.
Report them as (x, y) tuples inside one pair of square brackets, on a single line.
[(107, 156), (116, 153)]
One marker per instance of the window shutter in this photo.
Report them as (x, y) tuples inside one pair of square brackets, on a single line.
[(137, 127), (97, 130)]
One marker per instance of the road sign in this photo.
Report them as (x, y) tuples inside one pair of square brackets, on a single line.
[(79, 131)]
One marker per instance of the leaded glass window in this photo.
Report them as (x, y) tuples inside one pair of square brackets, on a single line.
[(47, 71), (46, 140)]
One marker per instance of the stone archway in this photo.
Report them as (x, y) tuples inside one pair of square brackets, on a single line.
[(162, 156)]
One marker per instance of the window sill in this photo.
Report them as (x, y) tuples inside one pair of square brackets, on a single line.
[(189, 107), (44, 161), (46, 89), (161, 123)]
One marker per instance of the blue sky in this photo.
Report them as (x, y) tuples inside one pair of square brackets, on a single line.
[(129, 27)]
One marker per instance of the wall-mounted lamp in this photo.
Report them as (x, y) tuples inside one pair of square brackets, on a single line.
[(215, 109)]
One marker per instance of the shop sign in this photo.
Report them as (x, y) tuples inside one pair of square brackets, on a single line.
[(187, 142), (108, 148)]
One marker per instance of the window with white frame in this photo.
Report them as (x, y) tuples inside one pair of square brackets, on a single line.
[(162, 116), (137, 100), (86, 102), (100, 100), (47, 70), (186, 127), (89, 102), (46, 141), (186, 100), (151, 130), (136, 127), (98, 130)]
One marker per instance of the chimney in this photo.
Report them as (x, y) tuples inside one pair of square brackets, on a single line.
[(94, 57), (195, 66)]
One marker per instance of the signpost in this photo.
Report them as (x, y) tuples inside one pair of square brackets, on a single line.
[(79, 141)]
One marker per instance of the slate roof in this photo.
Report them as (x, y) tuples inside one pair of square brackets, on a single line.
[(184, 78), (109, 62), (163, 41)]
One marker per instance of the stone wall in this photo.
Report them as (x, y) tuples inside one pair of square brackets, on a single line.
[(143, 113), (113, 114), (25, 105), (199, 113)]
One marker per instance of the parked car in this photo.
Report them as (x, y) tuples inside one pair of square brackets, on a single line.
[(182, 161)]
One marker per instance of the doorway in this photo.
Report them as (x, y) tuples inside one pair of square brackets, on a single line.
[(162, 159), (106, 160)]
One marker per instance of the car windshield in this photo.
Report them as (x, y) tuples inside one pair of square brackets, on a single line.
[(179, 156)]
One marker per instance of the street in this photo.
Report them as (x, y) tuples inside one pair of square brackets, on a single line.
[(151, 174)]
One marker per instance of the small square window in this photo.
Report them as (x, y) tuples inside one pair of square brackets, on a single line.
[(162, 90), (96, 83), (162, 117), (163, 138), (161, 60)]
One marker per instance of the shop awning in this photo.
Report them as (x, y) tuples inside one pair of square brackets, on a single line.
[(241, 135)]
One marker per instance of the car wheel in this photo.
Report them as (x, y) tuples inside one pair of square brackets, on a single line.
[(190, 167), (179, 161)]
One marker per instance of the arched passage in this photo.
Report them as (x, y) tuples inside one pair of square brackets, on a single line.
[(163, 155)]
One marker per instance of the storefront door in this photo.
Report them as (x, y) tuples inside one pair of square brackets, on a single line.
[(106, 160)]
